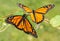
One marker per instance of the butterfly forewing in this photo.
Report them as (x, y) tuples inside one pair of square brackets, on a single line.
[(44, 9), (28, 10), (16, 19)]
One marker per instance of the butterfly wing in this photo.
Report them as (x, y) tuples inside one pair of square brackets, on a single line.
[(27, 27), (25, 8), (14, 19), (32, 16), (44, 9), (22, 24), (30, 29), (37, 16)]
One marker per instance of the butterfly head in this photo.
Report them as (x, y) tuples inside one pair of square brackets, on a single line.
[(24, 16), (9, 19)]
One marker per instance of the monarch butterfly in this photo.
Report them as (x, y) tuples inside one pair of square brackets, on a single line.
[(22, 23), (38, 14)]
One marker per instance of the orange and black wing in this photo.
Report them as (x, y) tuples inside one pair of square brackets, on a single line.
[(14, 19), (25, 8), (44, 9), (27, 27), (37, 17), (22, 24), (30, 29)]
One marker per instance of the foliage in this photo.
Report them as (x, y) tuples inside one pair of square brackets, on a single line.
[(45, 31)]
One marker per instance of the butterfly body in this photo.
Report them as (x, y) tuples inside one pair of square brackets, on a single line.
[(22, 23)]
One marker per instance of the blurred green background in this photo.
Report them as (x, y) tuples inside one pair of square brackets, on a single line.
[(46, 32)]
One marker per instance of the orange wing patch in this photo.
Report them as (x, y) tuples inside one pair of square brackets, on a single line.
[(20, 26), (22, 23), (32, 16), (30, 29), (16, 19), (38, 17)]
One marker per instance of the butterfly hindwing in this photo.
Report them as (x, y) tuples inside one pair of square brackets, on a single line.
[(22, 24), (30, 28), (38, 18), (32, 16)]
